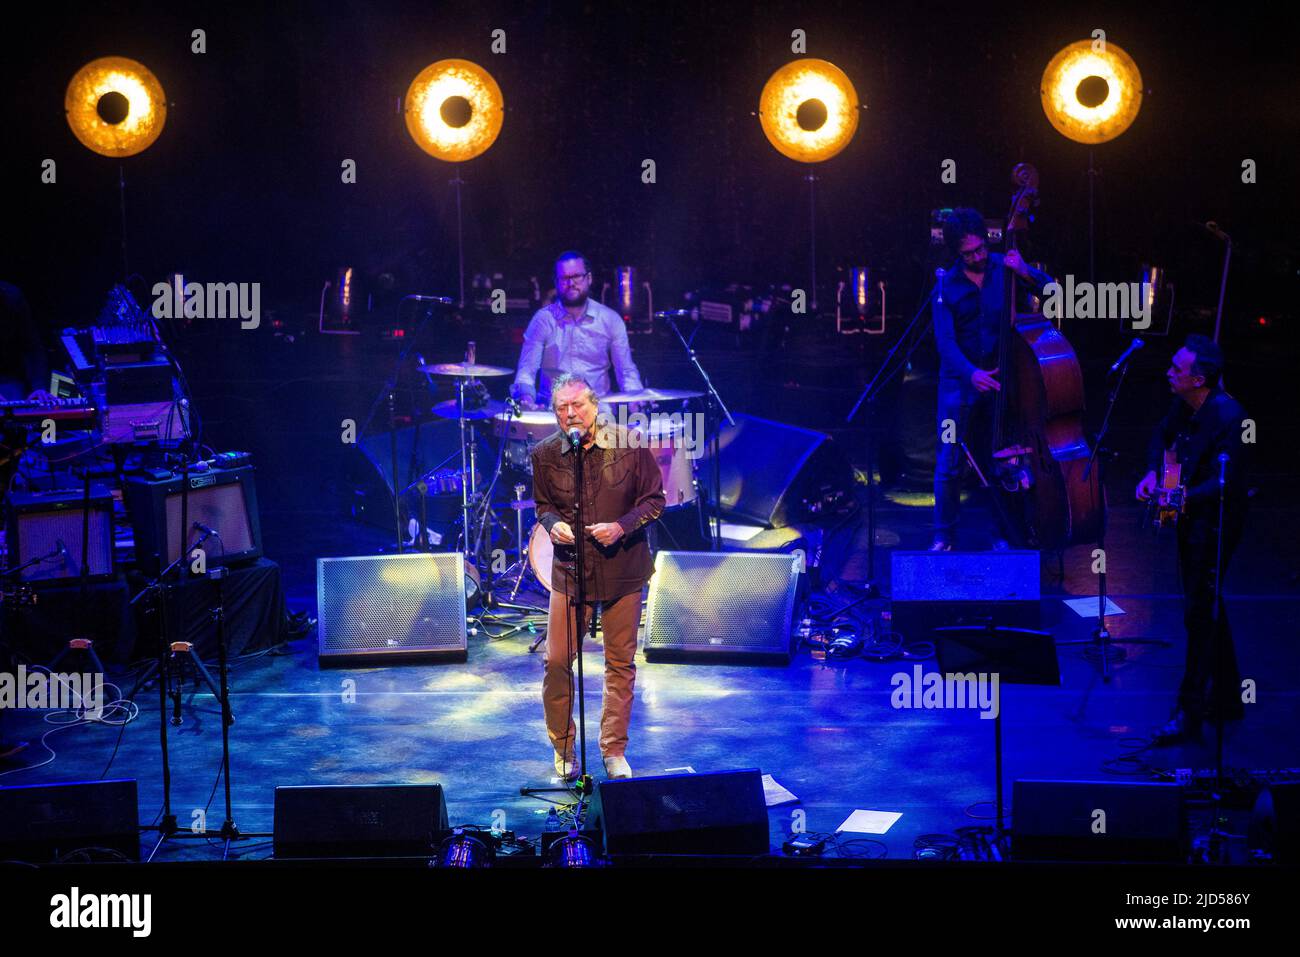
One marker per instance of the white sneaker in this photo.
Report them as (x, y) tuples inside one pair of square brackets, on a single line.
[(566, 768), (617, 768)]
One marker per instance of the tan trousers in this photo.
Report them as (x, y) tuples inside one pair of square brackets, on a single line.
[(620, 620)]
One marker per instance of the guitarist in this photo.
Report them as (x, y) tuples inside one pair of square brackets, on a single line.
[(1203, 423)]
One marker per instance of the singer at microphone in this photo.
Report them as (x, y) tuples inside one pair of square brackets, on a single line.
[(622, 492), (1212, 438)]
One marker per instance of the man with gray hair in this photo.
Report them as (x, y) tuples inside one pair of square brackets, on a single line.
[(573, 334), (622, 492)]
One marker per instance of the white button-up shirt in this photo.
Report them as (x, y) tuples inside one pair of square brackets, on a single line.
[(554, 344)]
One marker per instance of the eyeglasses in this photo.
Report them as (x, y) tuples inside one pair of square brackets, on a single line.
[(577, 278)]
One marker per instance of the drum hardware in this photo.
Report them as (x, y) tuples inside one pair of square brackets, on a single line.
[(389, 393)]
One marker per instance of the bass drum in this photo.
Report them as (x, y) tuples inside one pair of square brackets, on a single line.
[(541, 554)]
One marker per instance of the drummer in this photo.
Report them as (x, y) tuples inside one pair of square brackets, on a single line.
[(573, 334)]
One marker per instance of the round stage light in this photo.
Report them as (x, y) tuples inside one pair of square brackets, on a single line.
[(115, 106), (809, 110), (1091, 96), (454, 110)]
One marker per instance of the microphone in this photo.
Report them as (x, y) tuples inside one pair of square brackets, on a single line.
[(940, 275), (1223, 469), (1133, 347), (515, 408), (445, 300), (575, 437), (62, 550), (1213, 227), (673, 314)]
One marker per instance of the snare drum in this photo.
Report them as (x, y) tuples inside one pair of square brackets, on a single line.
[(520, 433), (541, 554), (668, 444)]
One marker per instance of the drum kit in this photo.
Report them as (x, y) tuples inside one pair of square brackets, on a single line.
[(517, 432)]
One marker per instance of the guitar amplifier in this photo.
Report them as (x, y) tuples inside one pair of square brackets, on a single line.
[(222, 499), (49, 525)]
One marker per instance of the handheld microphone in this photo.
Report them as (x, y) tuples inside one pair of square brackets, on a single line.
[(1223, 469), (673, 314), (1213, 227), (1133, 347), (445, 300), (940, 275), (575, 437)]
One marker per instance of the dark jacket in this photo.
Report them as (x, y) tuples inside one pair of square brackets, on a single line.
[(1199, 437), (967, 318), (622, 484)]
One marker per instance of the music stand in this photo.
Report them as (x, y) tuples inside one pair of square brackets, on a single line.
[(1021, 656)]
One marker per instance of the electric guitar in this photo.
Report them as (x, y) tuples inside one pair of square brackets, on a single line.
[(1170, 499)]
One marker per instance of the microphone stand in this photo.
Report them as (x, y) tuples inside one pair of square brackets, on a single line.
[(573, 636), (712, 406), (1106, 650), (1218, 635), (389, 390), (868, 396)]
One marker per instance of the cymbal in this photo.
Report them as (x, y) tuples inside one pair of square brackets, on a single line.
[(650, 395), (449, 410), (463, 370)]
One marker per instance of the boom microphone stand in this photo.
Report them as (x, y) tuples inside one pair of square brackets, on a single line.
[(713, 405), (869, 396)]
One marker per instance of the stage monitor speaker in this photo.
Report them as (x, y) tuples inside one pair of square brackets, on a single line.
[(1099, 821), (49, 525), (777, 475), (222, 499), (41, 823), (719, 813), (722, 604), (358, 820), (940, 589), (391, 607)]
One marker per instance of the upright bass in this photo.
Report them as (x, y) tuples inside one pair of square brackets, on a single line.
[(1040, 452)]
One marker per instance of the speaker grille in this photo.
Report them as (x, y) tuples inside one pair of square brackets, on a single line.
[(42, 521), (725, 603), (220, 507), (391, 604)]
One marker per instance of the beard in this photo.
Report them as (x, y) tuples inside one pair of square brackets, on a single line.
[(978, 267), (573, 298)]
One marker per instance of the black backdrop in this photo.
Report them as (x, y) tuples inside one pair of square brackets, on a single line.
[(244, 184)]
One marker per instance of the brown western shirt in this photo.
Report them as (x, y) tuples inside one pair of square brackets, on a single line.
[(620, 484)]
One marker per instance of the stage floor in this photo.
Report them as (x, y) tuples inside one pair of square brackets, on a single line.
[(825, 731)]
